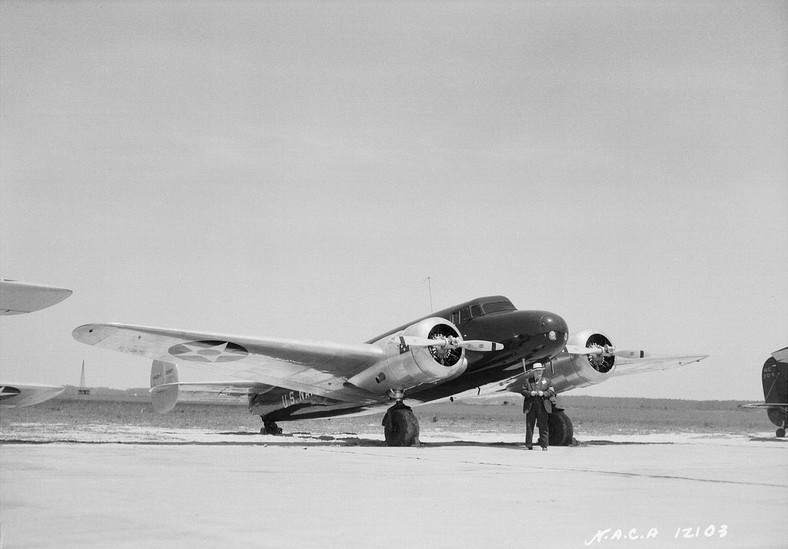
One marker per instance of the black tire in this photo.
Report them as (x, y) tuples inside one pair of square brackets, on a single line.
[(561, 430), (270, 428), (780, 432), (400, 426)]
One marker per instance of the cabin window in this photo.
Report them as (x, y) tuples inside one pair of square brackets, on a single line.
[(465, 315), (476, 311), (498, 306)]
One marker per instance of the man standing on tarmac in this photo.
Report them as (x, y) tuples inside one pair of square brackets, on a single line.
[(536, 406)]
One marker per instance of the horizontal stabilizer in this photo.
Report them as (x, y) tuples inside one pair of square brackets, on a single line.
[(212, 392)]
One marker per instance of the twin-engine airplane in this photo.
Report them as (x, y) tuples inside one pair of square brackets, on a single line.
[(774, 377), (483, 345)]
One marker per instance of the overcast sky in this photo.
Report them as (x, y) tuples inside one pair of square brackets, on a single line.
[(299, 169)]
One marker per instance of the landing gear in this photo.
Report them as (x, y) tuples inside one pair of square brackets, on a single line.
[(270, 427), (779, 416), (561, 430), (400, 426)]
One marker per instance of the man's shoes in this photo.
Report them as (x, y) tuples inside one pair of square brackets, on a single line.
[(544, 448), (529, 446)]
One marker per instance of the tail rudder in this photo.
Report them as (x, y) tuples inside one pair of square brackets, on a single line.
[(163, 385)]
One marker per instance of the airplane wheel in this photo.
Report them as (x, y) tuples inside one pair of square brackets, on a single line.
[(270, 428), (561, 430), (400, 426), (780, 432)]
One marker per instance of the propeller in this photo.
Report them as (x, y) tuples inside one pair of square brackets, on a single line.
[(448, 342), (606, 350)]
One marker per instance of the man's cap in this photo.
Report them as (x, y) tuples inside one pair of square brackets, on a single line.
[(533, 368)]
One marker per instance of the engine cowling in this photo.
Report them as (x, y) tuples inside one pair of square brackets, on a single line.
[(408, 367), (570, 371)]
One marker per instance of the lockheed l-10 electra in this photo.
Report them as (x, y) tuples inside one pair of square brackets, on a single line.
[(484, 346)]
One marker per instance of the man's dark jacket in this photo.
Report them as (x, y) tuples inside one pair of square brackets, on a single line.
[(541, 385)]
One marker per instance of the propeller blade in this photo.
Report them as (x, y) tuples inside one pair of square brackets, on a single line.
[(605, 351), (580, 350), (480, 345), (451, 343), (630, 353), (413, 341)]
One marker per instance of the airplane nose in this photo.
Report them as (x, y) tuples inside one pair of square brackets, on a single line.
[(554, 327)]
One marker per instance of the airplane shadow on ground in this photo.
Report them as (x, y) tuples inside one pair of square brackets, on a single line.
[(298, 439), (769, 439)]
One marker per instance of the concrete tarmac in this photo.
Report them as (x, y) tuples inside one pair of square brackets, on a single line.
[(188, 488)]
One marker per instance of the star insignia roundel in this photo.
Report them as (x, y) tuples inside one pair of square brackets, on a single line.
[(208, 351)]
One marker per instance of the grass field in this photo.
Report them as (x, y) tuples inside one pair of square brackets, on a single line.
[(590, 416)]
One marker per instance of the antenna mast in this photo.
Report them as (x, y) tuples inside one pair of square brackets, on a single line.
[(429, 285)]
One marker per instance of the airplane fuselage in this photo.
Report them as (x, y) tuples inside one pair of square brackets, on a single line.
[(527, 337)]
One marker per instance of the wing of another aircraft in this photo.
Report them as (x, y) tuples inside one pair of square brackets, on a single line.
[(18, 298), (321, 368), (781, 355), (14, 395)]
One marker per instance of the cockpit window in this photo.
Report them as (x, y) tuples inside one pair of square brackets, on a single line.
[(497, 307)]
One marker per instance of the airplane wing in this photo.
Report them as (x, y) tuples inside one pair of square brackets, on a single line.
[(624, 366), (627, 366), (320, 368), (765, 405), (18, 298), (13, 395)]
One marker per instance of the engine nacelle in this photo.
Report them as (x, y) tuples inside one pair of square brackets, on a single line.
[(569, 371), (407, 367)]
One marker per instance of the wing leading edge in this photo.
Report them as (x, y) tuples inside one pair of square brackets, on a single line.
[(627, 366)]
